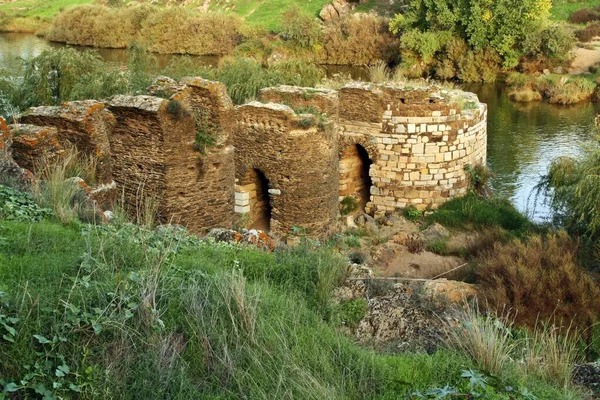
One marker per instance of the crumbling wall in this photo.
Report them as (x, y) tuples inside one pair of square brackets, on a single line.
[(33, 146), (305, 99), (298, 158), (86, 125), (10, 172), (419, 141), (212, 111), (155, 157)]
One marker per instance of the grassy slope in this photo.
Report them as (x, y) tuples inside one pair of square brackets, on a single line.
[(562, 9), (61, 285)]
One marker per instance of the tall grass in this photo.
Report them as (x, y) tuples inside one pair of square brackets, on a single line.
[(58, 185), (496, 345)]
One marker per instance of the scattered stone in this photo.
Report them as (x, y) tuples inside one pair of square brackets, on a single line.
[(435, 232), (335, 10), (588, 375)]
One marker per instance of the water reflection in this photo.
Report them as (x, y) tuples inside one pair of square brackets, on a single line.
[(524, 138)]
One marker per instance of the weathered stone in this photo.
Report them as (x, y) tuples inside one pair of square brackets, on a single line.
[(34, 145), (85, 125), (335, 10), (455, 292), (435, 232)]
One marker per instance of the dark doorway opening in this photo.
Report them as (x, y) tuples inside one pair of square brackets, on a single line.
[(355, 180)]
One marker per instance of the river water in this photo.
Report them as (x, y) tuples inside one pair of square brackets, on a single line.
[(522, 138)]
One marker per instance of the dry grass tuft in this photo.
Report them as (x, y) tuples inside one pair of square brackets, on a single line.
[(540, 280)]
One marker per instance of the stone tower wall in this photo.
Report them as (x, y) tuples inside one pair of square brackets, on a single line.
[(298, 158)]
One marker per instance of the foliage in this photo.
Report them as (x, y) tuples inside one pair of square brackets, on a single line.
[(585, 15), (60, 75), (303, 30), (539, 279), (357, 39), (589, 32), (351, 312), (20, 206), (129, 312), (473, 40), (479, 176), (244, 77), (411, 213), (475, 385), (161, 30)]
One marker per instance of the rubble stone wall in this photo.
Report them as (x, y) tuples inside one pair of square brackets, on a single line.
[(86, 125), (201, 159), (298, 158)]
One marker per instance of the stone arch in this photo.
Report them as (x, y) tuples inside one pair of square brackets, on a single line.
[(355, 178), (254, 200)]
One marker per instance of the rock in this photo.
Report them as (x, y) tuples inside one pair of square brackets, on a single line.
[(371, 228), (334, 10), (33, 145), (350, 222), (588, 375), (13, 175), (224, 235), (455, 292), (435, 232)]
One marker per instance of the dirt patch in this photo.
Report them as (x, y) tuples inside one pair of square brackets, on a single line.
[(586, 57)]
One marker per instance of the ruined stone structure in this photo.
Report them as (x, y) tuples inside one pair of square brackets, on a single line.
[(280, 163)]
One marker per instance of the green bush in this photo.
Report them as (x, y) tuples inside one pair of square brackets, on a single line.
[(303, 30)]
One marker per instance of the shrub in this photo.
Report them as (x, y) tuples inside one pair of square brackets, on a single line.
[(553, 41), (303, 30), (168, 31), (162, 30), (589, 32), (539, 279), (486, 339), (357, 39), (61, 75), (379, 72), (574, 189), (585, 15), (524, 95), (93, 25), (566, 89), (351, 312)]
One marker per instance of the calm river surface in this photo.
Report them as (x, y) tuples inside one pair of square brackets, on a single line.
[(522, 138)]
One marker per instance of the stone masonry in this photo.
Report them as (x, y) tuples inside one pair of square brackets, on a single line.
[(281, 163)]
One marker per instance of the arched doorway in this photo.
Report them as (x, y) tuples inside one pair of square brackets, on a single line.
[(355, 180), (255, 187)]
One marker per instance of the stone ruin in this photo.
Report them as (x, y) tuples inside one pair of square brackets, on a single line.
[(278, 164)]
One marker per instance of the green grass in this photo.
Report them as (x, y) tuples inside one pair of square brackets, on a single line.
[(122, 311), (471, 211), (562, 9)]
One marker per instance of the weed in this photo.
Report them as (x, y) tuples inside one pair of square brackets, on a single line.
[(415, 244), (357, 257), (411, 213), (176, 109), (351, 312), (348, 204)]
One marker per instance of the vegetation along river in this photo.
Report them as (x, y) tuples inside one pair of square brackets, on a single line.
[(522, 138)]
